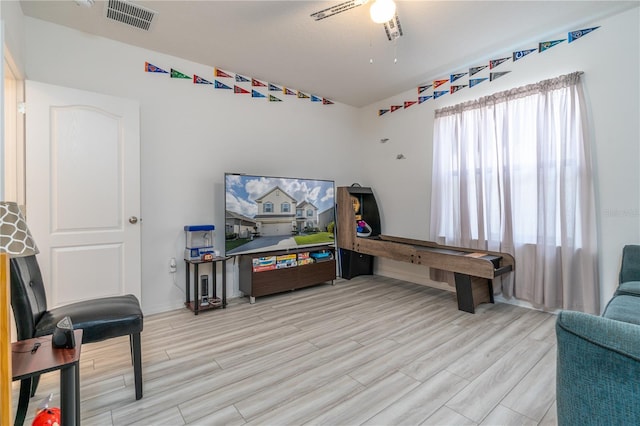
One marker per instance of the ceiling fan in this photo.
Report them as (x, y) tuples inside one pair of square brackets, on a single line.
[(382, 12)]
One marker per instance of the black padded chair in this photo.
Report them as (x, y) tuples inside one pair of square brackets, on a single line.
[(100, 319)]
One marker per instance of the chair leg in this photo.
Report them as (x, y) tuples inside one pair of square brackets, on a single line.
[(35, 380), (136, 359), (23, 401)]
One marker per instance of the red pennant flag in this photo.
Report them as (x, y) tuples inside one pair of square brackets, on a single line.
[(326, 102), (257, 83), (238, 89), (396, 107), (407, 104), (220, 73)]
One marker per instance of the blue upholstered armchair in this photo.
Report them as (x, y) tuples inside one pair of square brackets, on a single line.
[(598, 364), (598, 370)]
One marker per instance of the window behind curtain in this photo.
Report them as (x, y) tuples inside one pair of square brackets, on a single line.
[(512, 173)]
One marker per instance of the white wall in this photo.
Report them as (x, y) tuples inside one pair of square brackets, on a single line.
[(190, 135), (609, 58)]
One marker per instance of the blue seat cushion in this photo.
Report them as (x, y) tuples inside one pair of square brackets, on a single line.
[(629, 288), (624, 308)]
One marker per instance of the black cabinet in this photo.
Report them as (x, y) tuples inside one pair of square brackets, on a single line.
[(354, 264)]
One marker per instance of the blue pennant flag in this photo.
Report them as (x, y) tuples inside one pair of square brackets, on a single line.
[(221, 85), (422, 99), (475, 81), (200, 80), (574, 35), (455, 77), (256, 94), (241, 79), (522, 53), (439, 93), (314, 98), (274, 88)]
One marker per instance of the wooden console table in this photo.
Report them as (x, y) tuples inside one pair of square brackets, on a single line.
[(29, 361)]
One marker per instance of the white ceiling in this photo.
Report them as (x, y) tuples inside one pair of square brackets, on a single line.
[(346, 57)]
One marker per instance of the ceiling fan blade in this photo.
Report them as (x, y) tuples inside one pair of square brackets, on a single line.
[(393, 28), (339, 8)]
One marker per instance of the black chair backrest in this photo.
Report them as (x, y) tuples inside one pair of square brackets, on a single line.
[(630, 267), (28, 298)]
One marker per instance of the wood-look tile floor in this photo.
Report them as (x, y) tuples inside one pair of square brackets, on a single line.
[(372, 350)]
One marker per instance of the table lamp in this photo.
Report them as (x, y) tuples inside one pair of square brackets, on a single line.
[(15, 238), (15, 241)]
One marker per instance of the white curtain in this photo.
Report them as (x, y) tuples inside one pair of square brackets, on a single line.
[(512, 173)]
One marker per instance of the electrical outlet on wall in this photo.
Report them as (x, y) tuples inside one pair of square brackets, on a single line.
[(173, 265)]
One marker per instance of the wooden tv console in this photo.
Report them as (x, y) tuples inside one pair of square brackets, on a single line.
[(256, 281), (474, 270)]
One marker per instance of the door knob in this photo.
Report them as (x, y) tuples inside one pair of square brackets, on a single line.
[(133, 220)]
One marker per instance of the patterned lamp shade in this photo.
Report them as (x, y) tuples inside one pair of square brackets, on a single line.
[(15, 238)]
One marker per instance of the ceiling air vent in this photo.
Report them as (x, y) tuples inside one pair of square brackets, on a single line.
[(130, 14)]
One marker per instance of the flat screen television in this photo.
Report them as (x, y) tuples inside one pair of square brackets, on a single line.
[(265, 213)]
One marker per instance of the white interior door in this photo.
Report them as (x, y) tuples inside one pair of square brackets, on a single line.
[(83, 191)]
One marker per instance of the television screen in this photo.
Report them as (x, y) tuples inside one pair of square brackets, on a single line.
[(264, 213)]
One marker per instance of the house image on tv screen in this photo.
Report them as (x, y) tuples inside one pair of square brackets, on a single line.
[(271, 213)]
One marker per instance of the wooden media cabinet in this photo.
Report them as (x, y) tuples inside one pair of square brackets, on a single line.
[(271, 272)]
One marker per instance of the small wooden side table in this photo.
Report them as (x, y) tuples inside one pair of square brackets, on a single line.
[(27, 363), (195, 305)]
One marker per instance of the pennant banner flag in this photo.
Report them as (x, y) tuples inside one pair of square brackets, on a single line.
[(178, 74), (238, 89), (421, 99), (382, 112), (274, 88), (522, 53), (395, 107), (257, 83), (439, 93), (438, 83), (152, 68), (274, 99), (256, 94), (475, 81), (545, 45), (423, 88), (220, 73), (407, 104), (200, 80), (574, 35), (476, 70), (496, 75), (221, 85), (288, 91), (495, 62), (302, 95), (326, 102), (454, 89), (315, 98), (241, 79), (455, 77)]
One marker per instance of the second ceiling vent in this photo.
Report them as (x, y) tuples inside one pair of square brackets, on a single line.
[(130, 14)]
